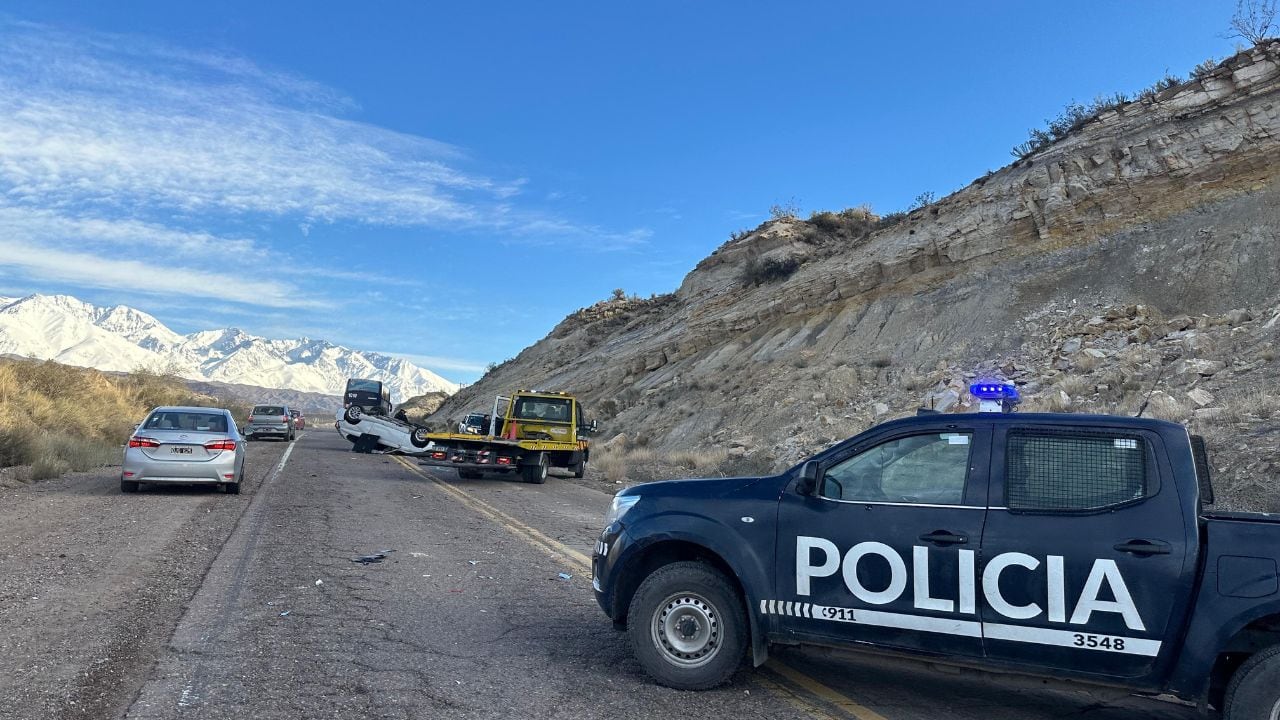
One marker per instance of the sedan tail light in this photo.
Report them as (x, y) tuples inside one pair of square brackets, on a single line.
[(220, 445), (143, 442)]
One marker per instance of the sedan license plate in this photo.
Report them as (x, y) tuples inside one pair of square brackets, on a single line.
[(180, 450)]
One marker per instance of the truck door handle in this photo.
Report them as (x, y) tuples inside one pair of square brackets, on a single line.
[(942, 537), (1144, 547)]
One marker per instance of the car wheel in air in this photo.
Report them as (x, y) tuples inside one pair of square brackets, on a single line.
[(128, 486), (536, 474), (1254, 690), (687, 626), (418, 438), (353, 415)]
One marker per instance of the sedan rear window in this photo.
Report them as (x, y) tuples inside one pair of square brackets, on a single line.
[(190, 421), (268, 410)]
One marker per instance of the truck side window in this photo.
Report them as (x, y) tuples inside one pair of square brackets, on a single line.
[(926, 469), (1064, 471)]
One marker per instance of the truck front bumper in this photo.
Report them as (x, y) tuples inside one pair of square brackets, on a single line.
[(610, 547)]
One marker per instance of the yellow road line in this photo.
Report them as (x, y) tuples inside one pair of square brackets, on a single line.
[(559, 550), (832, 696), (792, 698), (582, 563)]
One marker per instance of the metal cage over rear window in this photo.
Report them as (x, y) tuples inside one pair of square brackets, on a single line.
[(1048, 470)]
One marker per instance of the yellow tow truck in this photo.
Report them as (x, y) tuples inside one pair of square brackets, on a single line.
[(529, 432)]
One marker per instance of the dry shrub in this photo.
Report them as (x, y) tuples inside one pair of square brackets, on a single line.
[(57, 417), (1050, 401), (1167, 407), (611, 464), (641, 455), (700, 459), (1075, 385), (1245, 406)]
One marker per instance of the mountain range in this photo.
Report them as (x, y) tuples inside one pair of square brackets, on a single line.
[(121, 338)]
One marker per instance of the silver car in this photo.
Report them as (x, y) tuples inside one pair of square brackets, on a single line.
[(270, 420), (187, 445)]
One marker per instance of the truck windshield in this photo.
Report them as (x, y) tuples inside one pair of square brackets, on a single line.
[(542, 409), (354, 385)]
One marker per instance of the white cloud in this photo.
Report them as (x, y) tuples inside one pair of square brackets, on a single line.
[(153, 277), (124, 123), (39, 229)]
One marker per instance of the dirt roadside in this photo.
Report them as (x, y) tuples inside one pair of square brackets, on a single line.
[(92, 583)]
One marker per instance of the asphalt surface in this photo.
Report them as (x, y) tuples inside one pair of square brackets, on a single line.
[(177, 603)]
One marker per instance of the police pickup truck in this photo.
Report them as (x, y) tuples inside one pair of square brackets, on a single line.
[(1073, 547)]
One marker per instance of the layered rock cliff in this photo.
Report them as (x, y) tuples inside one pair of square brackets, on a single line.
[(1087, 272)]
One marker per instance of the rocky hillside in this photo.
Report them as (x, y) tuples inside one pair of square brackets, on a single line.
[(1138, 259)]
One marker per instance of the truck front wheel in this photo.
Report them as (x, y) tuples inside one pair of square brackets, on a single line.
[(1254, 691), (687, 626)]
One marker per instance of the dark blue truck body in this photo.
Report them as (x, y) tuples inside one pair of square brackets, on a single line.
[(1069, 546)]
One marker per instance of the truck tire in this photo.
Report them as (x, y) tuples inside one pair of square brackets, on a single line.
[(1254, 690), (352, 415), (418, 438), (536, 474), (687, 626), (579, 468)]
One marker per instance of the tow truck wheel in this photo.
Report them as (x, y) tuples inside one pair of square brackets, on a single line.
[(579, 469), (418, 438), (352, 415), (1254, 691), (687, 626), (536, 474)]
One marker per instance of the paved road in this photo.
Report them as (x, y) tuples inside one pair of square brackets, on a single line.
[(250, 606)]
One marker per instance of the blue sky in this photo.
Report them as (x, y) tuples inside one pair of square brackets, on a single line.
[(448, 181)]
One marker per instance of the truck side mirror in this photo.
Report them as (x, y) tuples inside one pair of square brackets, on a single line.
[(809, 475), (593, 427)]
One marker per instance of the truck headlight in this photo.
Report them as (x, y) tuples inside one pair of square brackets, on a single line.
[(621, 504)]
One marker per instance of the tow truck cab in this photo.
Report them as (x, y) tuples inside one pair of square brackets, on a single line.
[(1068, 546)]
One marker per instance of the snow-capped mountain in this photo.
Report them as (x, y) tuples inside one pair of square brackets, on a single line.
[(121, 338)]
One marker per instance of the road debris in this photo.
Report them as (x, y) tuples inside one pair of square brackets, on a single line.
[(565, 576), (319, 582), (368, 559), (285, 613)]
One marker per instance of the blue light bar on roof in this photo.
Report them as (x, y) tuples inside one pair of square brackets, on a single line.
[(994, 390)]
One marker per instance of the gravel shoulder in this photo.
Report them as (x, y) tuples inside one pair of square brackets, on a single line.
[(92, 583)]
